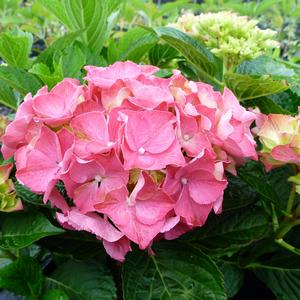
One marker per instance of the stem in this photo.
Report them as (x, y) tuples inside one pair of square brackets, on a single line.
[(287, 246), (274, 218), (297, 211), (284, 228), (291, 200), (17, 252)]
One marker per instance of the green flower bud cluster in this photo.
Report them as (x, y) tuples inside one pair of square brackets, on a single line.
[(229, 36)]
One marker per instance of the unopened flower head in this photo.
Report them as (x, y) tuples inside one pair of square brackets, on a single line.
[(229, 36)]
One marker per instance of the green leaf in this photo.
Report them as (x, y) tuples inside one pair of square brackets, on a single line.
[(57, 8), (265, 65), (15, 48), (7, 96), (55, 294), (278, 178), (23, 228), (233, 276), (207, 65), (27, 196), (284, 283), (162, 54), (6, 258), (176, 271), (12, 4), (254, 174), (23, 277), (281, 275), (288, 100), (230, 231), (43, 72), (247, 87), (94, 16), (60, 44), (133, 45), (72, 60), (266, 106), (164, 73), (237, 194), (272, 186), (79, 245), (83, 280), (21, 81)]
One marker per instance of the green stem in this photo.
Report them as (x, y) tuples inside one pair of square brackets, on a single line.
[(274, 218), (297, 211), (284, 228), (287, 246), (291, 199), (17, 252)]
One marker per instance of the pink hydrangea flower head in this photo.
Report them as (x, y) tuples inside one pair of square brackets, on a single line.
[(140, 157)]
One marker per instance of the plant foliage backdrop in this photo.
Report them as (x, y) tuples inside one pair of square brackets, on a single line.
[(44, 41)]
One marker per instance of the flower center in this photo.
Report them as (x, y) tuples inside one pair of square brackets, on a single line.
[(130, 201), (141, 151), (98, 178), (184, 180), (186, 137)]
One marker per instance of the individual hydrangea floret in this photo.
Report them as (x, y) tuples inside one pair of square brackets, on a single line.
[(229, 36), (141, 158), (280, 139)]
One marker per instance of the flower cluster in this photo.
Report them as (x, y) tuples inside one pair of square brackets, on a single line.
[(229, 36), (141, 157), (280, 139)]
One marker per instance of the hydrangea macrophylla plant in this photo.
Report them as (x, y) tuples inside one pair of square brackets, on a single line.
[(142, 157), (229, 36)]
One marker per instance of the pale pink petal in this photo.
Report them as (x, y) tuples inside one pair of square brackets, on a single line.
[(92, 223), (118, 249), (194, 214), (58, 201)]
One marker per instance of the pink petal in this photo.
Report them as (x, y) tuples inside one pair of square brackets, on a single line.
[(91, 223), (85, 197), (155, 134), (118, 249), (194, 214), (285, 153), (58, 201)]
